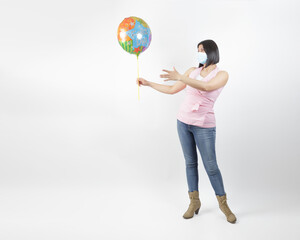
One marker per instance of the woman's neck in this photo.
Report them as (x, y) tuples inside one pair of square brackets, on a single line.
[(209, 68)]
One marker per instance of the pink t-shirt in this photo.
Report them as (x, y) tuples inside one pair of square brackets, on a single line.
[(197, 107)]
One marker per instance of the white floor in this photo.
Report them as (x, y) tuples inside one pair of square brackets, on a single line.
[(135, 212)]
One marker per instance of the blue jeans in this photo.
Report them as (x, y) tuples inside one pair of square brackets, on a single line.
[(204, 138)]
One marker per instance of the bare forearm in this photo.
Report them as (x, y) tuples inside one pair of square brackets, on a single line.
[(201, 85), (160, 87)]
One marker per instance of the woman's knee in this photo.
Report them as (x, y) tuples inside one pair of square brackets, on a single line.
[(191, 160), (212, 170), (191, 164)]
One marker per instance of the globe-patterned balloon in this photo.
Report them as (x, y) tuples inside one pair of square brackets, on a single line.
[(134, 35)]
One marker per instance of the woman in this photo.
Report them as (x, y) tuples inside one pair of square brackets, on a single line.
[(196, 123)]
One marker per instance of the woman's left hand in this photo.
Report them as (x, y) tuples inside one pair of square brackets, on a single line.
[(172, 75)]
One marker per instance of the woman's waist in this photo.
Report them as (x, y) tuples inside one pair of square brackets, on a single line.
[(195, 105), (192, 100)]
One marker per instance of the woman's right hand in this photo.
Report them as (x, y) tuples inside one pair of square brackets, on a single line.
[(142, 81)]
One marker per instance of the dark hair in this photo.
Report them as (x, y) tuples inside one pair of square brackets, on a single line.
[(212, 52)]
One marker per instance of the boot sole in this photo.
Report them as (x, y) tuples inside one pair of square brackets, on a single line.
[(196, 211)]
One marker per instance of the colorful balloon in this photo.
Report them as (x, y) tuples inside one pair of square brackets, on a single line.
[(134, 35)]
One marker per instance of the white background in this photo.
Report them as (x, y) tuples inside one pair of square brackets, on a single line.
[(82, 158)]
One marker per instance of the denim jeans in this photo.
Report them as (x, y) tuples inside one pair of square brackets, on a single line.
[(204, 138)]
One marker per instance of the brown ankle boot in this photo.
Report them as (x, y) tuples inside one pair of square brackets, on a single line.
[(194, 206), (225, 209)]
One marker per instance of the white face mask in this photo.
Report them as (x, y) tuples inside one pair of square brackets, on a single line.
[(202, 57)]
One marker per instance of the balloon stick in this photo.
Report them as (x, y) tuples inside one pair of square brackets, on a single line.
[(137, 57)]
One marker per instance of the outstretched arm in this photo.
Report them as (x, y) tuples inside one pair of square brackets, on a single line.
[(177, 87), (216, 82)]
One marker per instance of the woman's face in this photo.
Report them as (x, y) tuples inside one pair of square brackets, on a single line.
[(200, 48)]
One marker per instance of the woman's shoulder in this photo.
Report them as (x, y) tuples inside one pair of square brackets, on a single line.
[(222, 72)]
